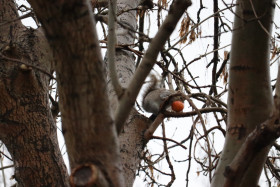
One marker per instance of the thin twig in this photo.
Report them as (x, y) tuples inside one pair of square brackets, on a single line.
[(6, 167), (168, 139), (30, 14)]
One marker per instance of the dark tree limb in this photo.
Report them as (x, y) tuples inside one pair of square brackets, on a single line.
[(86, 118)]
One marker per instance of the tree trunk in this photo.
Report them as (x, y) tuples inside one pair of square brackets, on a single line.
[(131, 138), (250, 96), (27, 127)]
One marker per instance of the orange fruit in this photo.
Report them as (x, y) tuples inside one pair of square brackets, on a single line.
[(177, 106)]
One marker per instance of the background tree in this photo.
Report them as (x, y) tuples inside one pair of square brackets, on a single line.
[(105, 136), (250, 100)]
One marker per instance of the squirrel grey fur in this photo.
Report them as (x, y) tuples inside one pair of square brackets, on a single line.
[(154, 97)]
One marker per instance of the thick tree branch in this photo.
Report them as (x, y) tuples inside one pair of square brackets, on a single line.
[(84, 105)]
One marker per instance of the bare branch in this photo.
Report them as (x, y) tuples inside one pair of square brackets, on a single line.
[(195, 112), (112, 49), (150, 131)]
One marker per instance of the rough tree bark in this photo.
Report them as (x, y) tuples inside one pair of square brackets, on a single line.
[(26, 124), (131, 137), (88, 126), (250, 96)]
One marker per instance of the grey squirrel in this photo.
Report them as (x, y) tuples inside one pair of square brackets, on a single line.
[(157, 99)]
